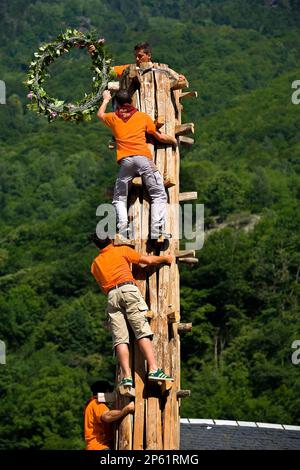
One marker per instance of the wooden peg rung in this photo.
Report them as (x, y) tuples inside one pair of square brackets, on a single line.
[(188, 196), (179, 84), (188, 260), (183, 393), (185, 327), (113, 86), (126, 391), (184, 129), (106, 397), (185, 253), (186, 141), (188, 94)]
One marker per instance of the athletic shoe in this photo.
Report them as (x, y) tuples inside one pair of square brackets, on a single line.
[(126, 382), (159, 375)]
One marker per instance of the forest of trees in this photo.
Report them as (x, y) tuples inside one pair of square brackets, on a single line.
[(242, 57)]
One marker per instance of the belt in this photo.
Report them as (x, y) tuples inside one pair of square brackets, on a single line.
[(122, 284)]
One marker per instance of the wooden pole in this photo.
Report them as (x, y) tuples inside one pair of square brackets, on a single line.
[(156, 423)]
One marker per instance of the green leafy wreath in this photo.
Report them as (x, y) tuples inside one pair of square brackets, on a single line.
[(46, 54)]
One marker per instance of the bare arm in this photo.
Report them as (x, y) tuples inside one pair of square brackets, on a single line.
[(165, 138), (106, 99), (154, 260), (114, 415)]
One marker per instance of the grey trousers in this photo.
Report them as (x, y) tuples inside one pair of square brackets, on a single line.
[(139, 165)]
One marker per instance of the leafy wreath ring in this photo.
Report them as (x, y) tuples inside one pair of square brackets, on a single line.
[(53, 108)]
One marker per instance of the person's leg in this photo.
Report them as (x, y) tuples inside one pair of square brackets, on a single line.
[(121, 193), (119, 330), (136, 309), (158, 197), (154, 373), (146, 348), (156, 190), (122, 352)]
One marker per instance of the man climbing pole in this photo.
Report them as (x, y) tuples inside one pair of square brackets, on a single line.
[(98, 419), (142, 54), (125, 305), (129, 127)]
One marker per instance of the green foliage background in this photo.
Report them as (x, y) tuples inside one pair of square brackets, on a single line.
[(242, 57)]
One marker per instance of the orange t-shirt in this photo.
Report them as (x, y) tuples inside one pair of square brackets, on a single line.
[(112, 266), (98, 434), (131, 135), (119, 69)]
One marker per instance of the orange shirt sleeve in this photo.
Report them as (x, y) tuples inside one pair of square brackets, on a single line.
[(131, 255), (150, 126), (119, 69), (100, 408), (108, 119)]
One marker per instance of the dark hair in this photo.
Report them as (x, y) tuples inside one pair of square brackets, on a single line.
[(145, 46), (99, 242), (101, 386), (123, 97)]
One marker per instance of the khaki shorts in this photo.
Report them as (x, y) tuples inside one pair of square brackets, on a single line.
[(126, 304)]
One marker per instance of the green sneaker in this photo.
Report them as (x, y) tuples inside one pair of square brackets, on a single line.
[(126, 382), (159, 375)]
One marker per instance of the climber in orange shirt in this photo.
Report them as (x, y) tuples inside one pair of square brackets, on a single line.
[(126, 307), (130, 127), (98, 430), (142, 53)]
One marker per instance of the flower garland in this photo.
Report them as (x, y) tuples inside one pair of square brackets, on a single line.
[(46, 54)]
